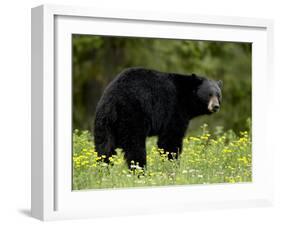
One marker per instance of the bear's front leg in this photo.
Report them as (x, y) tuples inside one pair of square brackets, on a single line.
[(135, 156), (170, 140), (134, 150), (171, 144)]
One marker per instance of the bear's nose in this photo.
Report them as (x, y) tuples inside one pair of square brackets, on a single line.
[(216, 107)]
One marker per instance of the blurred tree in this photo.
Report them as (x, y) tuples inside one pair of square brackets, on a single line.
[(98, 59)]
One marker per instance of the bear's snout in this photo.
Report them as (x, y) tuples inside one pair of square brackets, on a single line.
[(214, 105)]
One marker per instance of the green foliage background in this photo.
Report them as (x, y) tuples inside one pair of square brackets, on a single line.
[(98, 59)]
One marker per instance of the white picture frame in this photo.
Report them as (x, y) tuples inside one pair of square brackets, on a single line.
[(52, 197)]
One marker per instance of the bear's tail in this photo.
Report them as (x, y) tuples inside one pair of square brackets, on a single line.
[(103, 132)]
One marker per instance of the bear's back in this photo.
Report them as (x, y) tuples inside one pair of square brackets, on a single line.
[(143, 85), (143, 91)]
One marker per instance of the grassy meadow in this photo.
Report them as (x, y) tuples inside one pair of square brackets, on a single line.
[(217, 157)]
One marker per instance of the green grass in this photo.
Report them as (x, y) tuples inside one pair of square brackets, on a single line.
[(221, 157)]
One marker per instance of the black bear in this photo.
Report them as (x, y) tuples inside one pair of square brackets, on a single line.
[(141, 102)]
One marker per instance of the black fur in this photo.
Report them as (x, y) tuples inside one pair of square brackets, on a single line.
[(139, 103)]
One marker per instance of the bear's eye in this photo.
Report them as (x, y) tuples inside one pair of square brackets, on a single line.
[(210, 94)]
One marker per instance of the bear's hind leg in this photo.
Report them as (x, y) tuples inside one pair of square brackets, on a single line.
[(105, 149)]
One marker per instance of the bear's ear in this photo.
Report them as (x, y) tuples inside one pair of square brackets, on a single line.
[(220, 83), (196, 80)]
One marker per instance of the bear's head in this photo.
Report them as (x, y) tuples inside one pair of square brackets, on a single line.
[(210, 96)]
